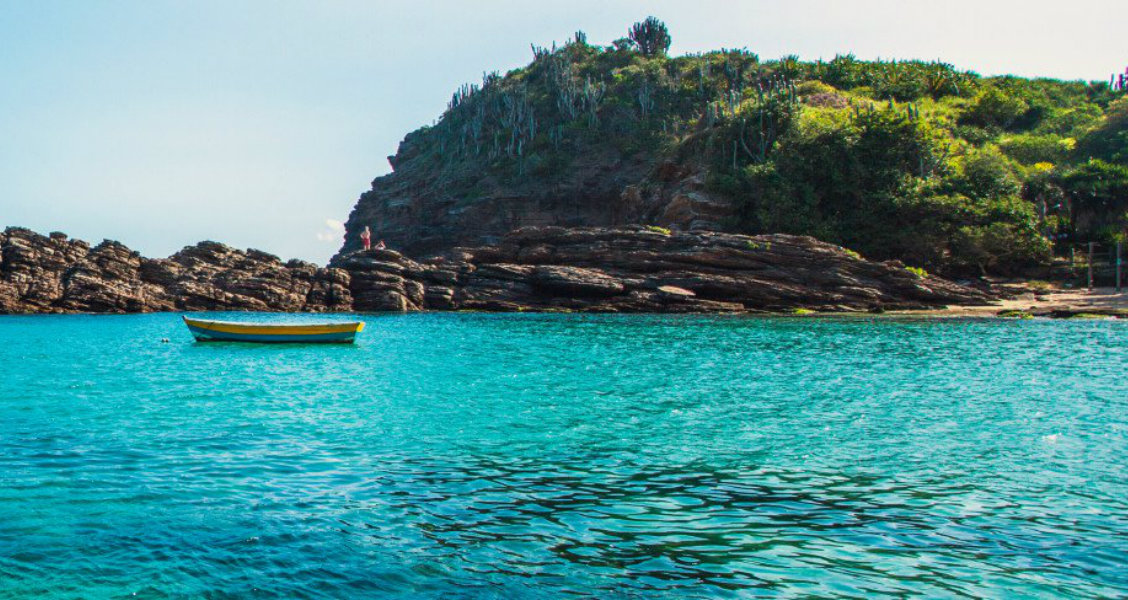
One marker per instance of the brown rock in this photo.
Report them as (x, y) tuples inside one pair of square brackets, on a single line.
[(628, 269), (575, 282), (57, 274)]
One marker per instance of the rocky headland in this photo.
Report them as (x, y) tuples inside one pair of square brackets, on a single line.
[(630, 269), (962, 175)]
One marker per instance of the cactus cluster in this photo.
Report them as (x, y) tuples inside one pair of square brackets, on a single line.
[(776, 104), (575, 97), (499, 117), (751, 114), (492, 117), (1118, 82), (517, 118)]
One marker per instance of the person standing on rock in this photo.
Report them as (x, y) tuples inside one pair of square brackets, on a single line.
[(366, 238)]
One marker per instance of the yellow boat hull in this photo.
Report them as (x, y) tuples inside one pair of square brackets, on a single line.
[(206, 330)]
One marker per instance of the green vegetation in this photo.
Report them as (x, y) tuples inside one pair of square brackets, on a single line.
[(651, 37), (1014, 314), (912, 160), (657, 229), (919, 272)]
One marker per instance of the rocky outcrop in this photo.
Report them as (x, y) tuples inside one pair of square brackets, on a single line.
[(56, 274), (421, 208), (632, 269), (639, 269), (427, 205)]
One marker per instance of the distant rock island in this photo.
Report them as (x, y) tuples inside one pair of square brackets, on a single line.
[(630, 269)]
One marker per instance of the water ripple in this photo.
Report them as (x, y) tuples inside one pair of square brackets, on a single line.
[(544, 456)]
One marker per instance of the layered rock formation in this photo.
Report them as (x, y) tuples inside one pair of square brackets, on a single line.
[(633, 269), (639, 269), (56, 274)]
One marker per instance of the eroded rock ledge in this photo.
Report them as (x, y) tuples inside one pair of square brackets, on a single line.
[(632, 269), (51, 274), (636, 269)]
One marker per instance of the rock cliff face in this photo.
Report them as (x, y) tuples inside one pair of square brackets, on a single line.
[(56, 274), (632, 269), (421, 210)]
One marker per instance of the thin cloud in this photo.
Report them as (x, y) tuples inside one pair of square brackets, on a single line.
[(334, 231)]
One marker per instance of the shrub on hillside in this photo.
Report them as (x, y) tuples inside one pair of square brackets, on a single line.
[(1030, 149), (994, 108)]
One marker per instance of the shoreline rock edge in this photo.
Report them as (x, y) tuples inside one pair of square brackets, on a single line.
[(586, 269)]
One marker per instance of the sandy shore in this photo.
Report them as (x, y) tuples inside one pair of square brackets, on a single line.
[(1049, 302)]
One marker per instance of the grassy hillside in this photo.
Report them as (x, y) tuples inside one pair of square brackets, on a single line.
[(919, 161)]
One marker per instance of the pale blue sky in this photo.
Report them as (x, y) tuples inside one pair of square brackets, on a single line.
[(161, 123)]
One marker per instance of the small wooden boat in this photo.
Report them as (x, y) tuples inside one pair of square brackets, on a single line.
[(205, 330)]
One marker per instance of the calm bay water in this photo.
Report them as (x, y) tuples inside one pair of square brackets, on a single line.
[(540, 456)]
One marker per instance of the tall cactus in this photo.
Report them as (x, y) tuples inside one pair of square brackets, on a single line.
[(592, 96), (760, 128), (645, 97), (651, 37)]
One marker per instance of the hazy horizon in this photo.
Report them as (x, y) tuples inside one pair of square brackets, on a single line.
[(161, 124)]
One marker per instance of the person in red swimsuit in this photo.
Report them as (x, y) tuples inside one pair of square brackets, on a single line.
[(366, 238)]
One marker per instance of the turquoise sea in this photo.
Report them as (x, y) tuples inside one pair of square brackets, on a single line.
[(543, 456)]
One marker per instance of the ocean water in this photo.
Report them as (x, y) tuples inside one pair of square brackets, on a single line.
[(538, 456)]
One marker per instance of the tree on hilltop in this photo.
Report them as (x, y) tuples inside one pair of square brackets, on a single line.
[(651, 37)]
